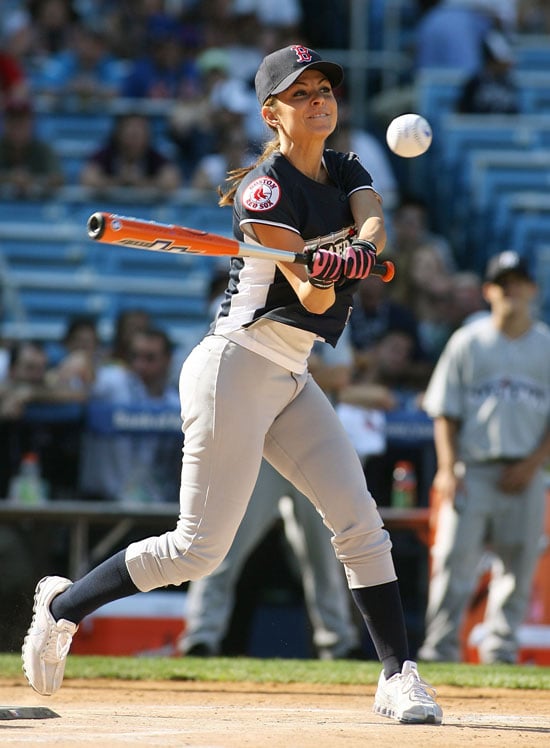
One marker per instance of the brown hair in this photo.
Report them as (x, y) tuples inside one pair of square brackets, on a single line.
[(236, 176)]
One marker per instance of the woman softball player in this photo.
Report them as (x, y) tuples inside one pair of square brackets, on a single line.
[(246, 393)]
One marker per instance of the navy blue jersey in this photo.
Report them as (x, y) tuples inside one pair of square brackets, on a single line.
[(276, 193)]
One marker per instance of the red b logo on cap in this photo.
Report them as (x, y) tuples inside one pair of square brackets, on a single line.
[(302, 53)]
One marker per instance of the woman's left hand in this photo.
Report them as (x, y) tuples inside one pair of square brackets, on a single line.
[(359, 259)]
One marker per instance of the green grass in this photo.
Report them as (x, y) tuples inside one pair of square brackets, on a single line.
[(284, 671)]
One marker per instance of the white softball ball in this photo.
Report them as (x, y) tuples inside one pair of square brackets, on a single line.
[(409, 135)]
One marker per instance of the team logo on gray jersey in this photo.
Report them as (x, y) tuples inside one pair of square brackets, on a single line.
[(262, 194)]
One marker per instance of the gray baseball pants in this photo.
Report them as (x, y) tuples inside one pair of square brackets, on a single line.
[(210, 600), (238, 406), (482, 518)]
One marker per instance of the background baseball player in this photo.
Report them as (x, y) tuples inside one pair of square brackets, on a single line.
[(490, 398)]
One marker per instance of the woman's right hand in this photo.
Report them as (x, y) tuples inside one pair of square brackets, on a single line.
[(324, 268)]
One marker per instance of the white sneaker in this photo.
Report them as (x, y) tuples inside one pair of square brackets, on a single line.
[(47, 642), (407, 698)]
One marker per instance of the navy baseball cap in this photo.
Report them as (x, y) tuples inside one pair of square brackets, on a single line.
[(280, 69), (507, 262)]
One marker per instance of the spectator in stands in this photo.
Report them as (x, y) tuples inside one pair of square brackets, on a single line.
[(250, 40), (410, 229), (80, 355), (26, 379), (285, 13), (129, 163), (374, 314), (16, 31), (28, 382), (450, 35), (424, 279), (427, 289), (29, 167), (492, 88), (231, 152), (140, 466), (251, 30), (167, 70), (389, 367), (52, 21), (13, 80), (83, 75), (533, 17), (467, 301), (124, 24), (223, 102), (128, 322), (388, 383)]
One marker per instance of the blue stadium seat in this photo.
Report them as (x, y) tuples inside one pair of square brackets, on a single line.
[(47, 245), (32, 211), (532, 52), (534, 92), (73, 154), (530, 231), (494, 172), (164, 310), (53, 297), (437, 93), (511, 206), (465, 132), (490, 175), (51, 270), (77, 126), (463, 137), (542, 265)]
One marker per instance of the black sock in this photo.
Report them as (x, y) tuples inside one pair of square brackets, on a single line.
[(107, 582), (382, 611)]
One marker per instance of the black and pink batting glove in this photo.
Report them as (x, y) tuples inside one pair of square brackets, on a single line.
[(324, 268), (359, 259)]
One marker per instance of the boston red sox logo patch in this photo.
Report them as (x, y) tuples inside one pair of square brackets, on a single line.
[(303, 53), (262, 194)]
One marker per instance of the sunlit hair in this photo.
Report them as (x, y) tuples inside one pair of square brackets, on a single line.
[(235, 176)]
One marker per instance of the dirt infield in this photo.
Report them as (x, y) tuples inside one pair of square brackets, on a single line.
[(206, 715)]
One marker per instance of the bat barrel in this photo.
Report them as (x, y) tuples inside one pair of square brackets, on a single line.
[(96, 225)]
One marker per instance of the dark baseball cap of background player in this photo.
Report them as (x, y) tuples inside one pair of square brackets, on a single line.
[(280, 69), (506, 263)]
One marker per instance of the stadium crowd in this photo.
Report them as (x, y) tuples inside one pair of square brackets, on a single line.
[(198, 58)]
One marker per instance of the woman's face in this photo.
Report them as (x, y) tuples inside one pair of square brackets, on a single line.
[(305, 110)]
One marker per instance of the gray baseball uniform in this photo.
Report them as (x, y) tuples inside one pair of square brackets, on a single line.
[(499, 390)]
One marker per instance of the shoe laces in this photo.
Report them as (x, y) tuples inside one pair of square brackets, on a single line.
[(417, 688), (58, 645)]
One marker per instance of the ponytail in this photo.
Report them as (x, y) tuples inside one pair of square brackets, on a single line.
[(236, 176)]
